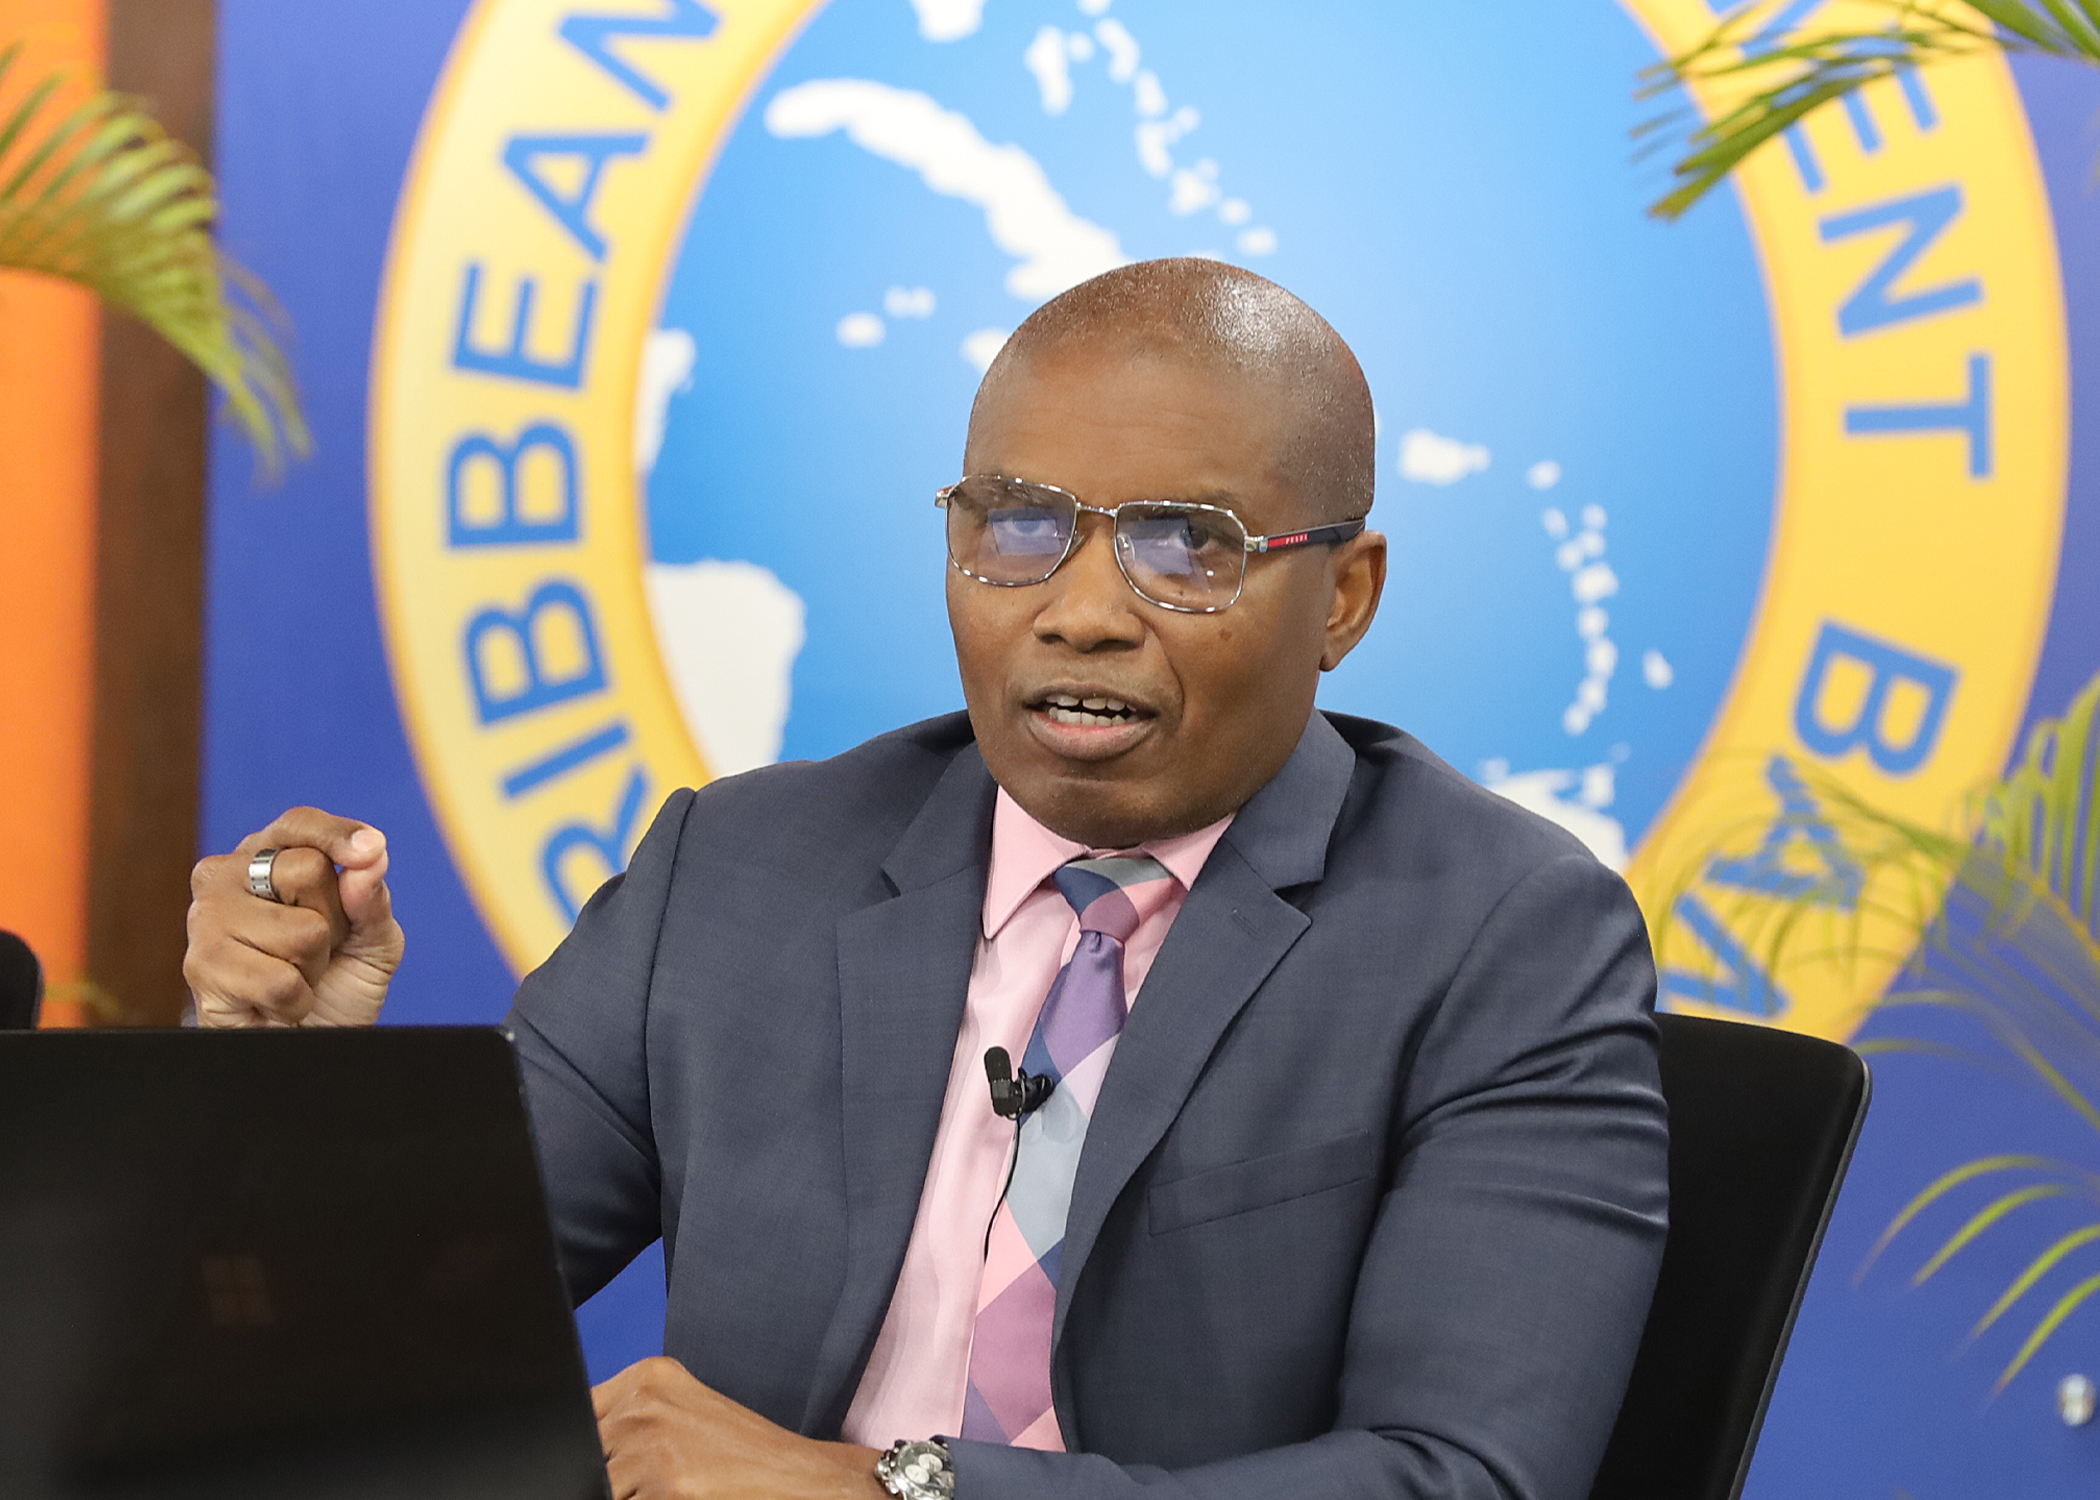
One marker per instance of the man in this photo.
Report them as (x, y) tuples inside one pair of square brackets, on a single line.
[(1350, 1179)]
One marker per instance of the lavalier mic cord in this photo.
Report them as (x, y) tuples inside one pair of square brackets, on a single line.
[(1014, 1097)]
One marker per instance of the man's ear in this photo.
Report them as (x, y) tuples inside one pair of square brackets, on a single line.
[(1359, 581)]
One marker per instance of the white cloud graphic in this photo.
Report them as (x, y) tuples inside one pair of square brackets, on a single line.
[(983, 346), (1156, 138), (1580, 554), (1122, 49), (1149, 95), (948, 20), (1056, 248), (1190, 190), (860, 330), (668, 356), (1427, 458), (729, 633), (908, 302), (1050, 62)]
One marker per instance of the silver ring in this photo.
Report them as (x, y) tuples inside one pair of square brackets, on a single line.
[(259, 880)]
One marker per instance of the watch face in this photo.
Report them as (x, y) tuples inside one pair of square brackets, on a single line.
[(923, 1468)]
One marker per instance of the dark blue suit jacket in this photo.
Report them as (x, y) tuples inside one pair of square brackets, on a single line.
[(1373, 1198)]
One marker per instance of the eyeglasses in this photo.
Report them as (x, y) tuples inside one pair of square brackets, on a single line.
[(1177, 554)]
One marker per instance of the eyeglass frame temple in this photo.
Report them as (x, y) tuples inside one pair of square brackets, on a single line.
[(1338, 531)]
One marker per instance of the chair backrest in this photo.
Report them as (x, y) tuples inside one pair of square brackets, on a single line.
[(21, 984), (1762, 1125)]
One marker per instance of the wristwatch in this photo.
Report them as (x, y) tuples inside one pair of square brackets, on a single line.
[(917, 1471)]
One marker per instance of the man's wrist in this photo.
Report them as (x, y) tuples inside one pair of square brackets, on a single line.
[(922, 1470)]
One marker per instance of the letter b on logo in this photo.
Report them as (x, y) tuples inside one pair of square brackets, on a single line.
[(511, 519), (546, 653), (1893, 723)]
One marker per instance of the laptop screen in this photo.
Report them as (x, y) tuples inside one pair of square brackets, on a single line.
[(283, 1263)]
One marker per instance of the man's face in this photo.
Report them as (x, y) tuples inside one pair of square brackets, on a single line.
[(1216, 702)]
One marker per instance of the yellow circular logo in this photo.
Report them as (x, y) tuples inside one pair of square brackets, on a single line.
[(1911, 265), (554, 170), (1918, 342)]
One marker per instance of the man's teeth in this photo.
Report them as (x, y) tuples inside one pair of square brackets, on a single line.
[(1063, 708)]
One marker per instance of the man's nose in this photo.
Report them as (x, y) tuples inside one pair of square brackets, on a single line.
[(1091, 606)]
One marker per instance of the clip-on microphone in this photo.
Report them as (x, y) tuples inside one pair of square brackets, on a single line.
[(1013, 1097)]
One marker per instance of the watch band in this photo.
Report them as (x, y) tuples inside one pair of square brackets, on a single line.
[(917, 1471)]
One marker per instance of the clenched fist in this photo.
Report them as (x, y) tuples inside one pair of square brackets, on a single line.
[(668, 1437), (324, 957)]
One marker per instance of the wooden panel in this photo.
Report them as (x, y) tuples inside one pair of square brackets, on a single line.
[(149, 596), (48, 338)]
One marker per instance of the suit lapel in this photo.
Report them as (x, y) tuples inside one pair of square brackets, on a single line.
[(904, 975), (1231, 932)]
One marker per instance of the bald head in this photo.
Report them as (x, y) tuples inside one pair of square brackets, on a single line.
[(1234, 326)]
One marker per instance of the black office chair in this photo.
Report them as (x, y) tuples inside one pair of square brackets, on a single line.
[(1762, 1125), (21, 984)]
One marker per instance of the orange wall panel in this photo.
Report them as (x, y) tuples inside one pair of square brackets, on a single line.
[(49, 347)]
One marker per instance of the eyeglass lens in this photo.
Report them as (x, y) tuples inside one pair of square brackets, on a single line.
[(1011, 532)]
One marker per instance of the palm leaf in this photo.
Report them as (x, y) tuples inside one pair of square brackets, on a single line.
[(1969, 1171), (2020, 867), (2039, 1267), (2067, 1304), (102, 197), (2007, 897), (1772, 80), (1918, 1047), (1981, 1220), (2045, 817), (2015, 1038)]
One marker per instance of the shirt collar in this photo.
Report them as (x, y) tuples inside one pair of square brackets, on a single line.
[(1025, 854)]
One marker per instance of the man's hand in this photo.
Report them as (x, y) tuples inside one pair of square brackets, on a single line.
[(666, 1434), (322, 958)]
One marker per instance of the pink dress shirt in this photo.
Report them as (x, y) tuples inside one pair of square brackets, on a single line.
[(913, 1387)]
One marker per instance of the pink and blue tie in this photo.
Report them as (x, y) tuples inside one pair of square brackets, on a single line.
[(1008, 1399)]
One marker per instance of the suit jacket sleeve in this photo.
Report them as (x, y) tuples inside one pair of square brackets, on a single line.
[(1515, 1249), (580, 1022)]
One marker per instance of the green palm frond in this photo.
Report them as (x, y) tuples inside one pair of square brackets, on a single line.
[(1775, 78), (101, 196), (2055, 1180), (2008, 900), (1881, 1046), (1991, 1213), (2022, 860), (2004, 1023), (2065, 1175), (2052, 1320), (2044, 819), (2040, 1266)]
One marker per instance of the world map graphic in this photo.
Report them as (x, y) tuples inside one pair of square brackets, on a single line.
[(1578, 492)]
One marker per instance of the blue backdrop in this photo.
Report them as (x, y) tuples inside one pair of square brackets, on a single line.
[(1485, 252)]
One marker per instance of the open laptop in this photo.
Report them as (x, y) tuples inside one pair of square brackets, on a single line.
[(290, 1264)]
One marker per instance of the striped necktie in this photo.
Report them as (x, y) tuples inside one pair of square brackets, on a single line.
[(1008, 1400)]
